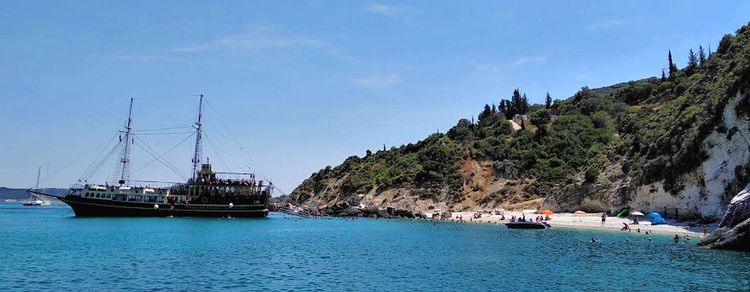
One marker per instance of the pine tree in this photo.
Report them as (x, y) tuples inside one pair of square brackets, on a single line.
[(692, 63), (709, 51), (501, 108), (663, 75), (494, 109), (701, 56), (525, 104), (517, 103), (672, 67), (548, 101), (485, 113), (508, 110)]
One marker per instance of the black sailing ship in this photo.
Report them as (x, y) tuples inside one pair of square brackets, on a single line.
[(206, 194)]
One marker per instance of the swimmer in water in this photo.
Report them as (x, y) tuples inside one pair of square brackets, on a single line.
[(594, 240)]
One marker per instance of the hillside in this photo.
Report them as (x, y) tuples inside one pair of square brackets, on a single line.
[(17, 194), (677, 144)]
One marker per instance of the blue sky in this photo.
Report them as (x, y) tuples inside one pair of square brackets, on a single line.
[(305, 84)]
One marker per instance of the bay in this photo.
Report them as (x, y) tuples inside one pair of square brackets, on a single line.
[(49, 249)]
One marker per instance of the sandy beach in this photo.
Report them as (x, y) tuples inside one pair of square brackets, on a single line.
[(592, 221)]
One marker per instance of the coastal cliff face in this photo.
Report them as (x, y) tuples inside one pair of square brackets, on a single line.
[(704, 191), (679, 145)]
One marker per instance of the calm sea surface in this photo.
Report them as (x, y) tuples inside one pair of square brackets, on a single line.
[(48, 249)]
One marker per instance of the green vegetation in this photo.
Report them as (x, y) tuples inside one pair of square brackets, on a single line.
[(655, 125)]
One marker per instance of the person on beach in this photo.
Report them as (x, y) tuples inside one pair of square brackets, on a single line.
[(604, 218), (676, 238)]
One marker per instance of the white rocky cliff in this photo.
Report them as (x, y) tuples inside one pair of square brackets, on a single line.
[(704, 194)]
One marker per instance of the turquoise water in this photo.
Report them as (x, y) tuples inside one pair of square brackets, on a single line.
[(48, 249)]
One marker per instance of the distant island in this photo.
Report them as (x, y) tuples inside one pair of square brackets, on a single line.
[(677, 143), (18, 194)]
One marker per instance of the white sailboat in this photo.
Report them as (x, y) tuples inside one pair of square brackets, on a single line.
[(34, 200)]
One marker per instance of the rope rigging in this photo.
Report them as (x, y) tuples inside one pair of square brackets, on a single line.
[(229, 133), (142, 144), (217, 150), (96, 168), (77, 158), (166, 152)]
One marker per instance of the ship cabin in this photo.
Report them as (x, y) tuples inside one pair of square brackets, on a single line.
[(237, 188)]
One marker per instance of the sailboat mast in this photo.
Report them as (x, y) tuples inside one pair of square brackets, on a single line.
[(125, 155), (198, 136), (38, 173)]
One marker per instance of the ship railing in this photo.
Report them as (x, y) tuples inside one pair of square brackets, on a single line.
[(143, 184), (153, 184), (235, 176)]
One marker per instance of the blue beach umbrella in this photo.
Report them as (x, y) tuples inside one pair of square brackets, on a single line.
[(656, 218)]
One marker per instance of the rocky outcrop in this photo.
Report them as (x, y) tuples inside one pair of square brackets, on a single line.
[(608, 192), (343, 209), (734, 229)]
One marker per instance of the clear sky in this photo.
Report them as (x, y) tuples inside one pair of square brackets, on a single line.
[(305, 84)]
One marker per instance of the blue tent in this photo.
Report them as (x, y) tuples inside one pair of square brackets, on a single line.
[(656, 218)]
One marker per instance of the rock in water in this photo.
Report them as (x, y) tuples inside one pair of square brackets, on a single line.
[(734, 229)]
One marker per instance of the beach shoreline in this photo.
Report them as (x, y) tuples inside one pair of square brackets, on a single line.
[(593, 222)]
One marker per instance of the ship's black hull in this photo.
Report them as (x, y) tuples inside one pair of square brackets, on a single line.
[(83, 207)]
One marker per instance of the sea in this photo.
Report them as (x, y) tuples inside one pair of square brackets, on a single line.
[(48, 249)]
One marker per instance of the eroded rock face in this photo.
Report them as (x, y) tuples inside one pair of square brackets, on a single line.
[(704, 190), (734, 229)]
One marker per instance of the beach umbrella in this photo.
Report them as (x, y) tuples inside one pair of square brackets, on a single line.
[(546, 212), (636, 214), (656, 218), (579, 213)]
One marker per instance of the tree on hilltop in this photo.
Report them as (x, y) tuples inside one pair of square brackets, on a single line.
[(692, 63), (517, 102), (525, 104), (701, 56), (672, 67), (485, 113)]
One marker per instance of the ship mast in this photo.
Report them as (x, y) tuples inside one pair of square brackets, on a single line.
[(124, 169), (198, 134)]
